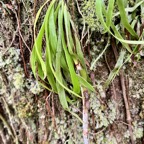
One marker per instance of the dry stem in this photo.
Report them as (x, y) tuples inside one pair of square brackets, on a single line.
[(85, 116), (124, 92)]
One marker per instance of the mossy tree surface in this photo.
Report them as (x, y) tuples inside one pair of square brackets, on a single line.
[(31, 114)]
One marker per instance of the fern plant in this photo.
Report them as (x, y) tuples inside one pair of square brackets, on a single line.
[(60, 62)]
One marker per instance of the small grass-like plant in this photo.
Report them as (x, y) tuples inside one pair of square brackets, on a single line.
[(59, 62)]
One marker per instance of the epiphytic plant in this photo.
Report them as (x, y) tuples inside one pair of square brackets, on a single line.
[(60, 61)]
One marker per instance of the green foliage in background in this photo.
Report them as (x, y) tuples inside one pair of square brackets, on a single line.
[(106, 15)]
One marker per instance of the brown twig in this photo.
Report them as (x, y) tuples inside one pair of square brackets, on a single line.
[(85, 115), (129, 120), (53, 112), (124, 92), (47, 103), (17, 14)]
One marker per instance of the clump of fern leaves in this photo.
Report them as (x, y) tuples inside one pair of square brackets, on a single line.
[(60, 63)]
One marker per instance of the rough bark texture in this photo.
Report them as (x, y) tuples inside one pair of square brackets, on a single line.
[(31, 115)]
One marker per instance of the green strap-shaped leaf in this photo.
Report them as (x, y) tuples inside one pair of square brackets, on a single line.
[(70, 44), (37, 16), (100, 17), (124, 18), (63, 63), (61, 91), (85, 84), (52, 31), (130, 9), (78, 48), (50, 75), (57, 10), (109, 13), (116, 69), (100, 55), (36, 55), (117, 34), (50, 62), (79, 52), (75, 81), (36, 59)]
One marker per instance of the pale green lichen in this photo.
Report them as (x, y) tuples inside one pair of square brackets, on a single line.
[(2, 86), (109, 140), (18, 80), (19, 85), (89, 16), (103, 115), (34, 87), (68, 130), (137, 131)]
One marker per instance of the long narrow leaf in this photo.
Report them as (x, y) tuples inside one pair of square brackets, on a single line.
[(116, 69), (124, 18), (50, 76), (130, 9), (85, 84), (75, 81), (109, 13), (100, 55), (61, 91), (36, 55), (100, 17), (35, 59), (68, 31), (51, 66), (52, 31), (117, 34)]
